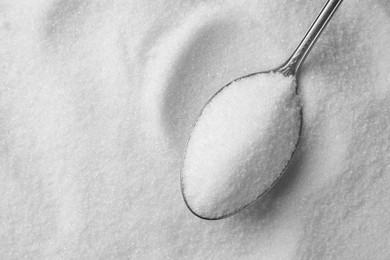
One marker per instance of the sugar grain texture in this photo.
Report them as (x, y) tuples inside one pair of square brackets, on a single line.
[(98, 98), (241, 144)]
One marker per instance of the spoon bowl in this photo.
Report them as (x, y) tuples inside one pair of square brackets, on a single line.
[(262, 142)]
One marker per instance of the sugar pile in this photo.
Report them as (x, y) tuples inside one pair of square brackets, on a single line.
[(97, 99), (240, 144)]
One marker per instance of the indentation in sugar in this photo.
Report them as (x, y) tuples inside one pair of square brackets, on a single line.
[(198, 60), (183, 99), (162, 64)]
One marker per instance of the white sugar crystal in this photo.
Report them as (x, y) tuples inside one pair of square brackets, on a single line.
[(97, 99), (241, 144)]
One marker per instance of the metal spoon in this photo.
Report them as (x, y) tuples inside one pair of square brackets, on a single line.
[(289, 68)]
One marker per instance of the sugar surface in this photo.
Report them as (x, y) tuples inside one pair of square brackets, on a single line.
[(240, 144), (97, 99)]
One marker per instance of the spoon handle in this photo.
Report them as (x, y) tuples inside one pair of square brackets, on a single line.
[(293, 64)]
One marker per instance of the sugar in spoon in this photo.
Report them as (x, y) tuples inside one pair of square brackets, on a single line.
[(246, 135)]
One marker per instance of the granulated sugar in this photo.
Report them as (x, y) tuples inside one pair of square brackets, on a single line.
[(240, 144), (97, 99)]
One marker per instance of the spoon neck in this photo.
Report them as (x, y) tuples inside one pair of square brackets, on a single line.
[(291, 67)]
